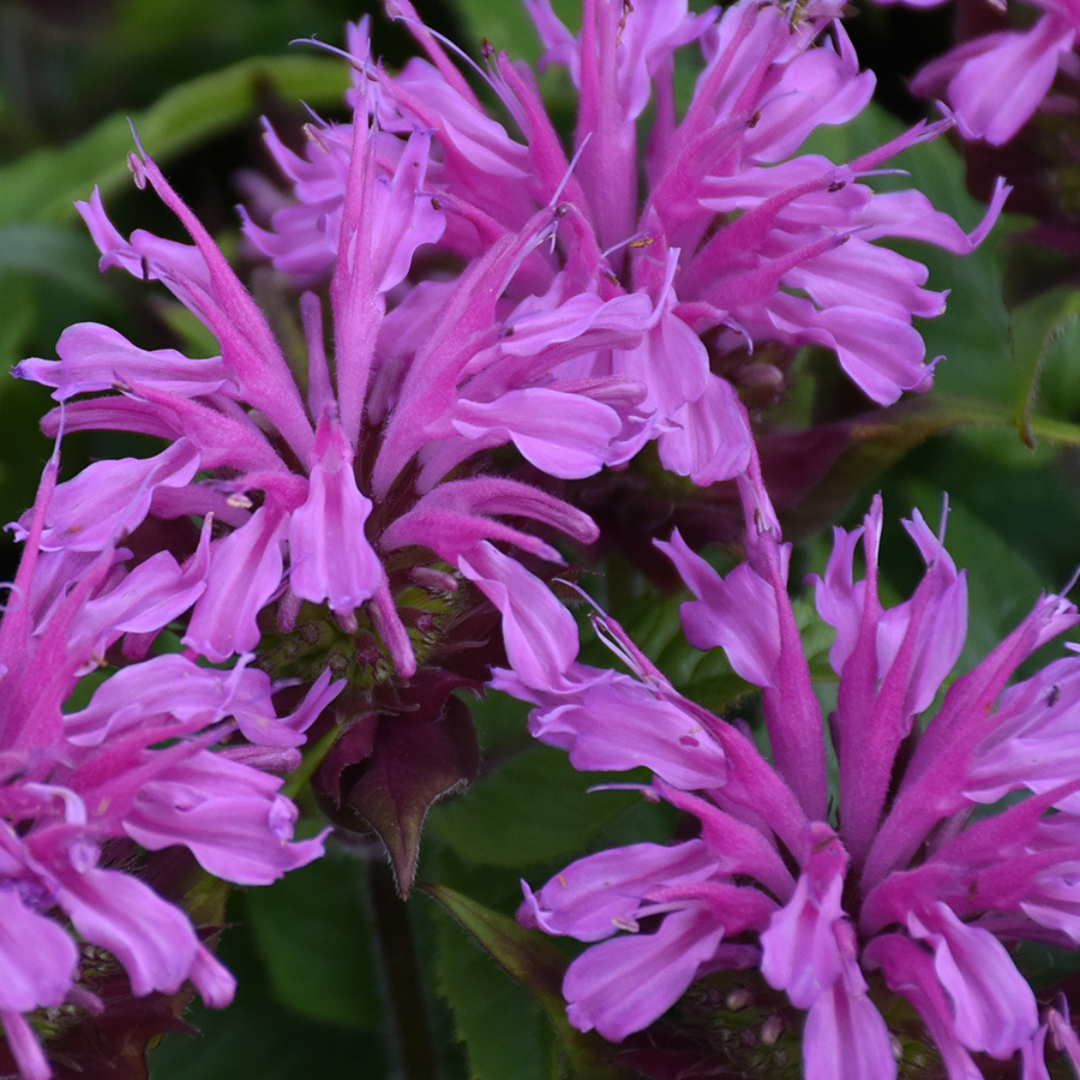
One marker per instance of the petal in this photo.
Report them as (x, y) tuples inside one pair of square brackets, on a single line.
[(993, 1007), (846, 1038), (802, 951), (25, 1048), (152, 939), (712, 441), (599, 895), (619, 724), (224, 814), (996, 93), (95, 358), (110, 499), (330, 556), (540, 634), (245, 572), (718, 618), (623, 985), (37, 958), (565, 435)]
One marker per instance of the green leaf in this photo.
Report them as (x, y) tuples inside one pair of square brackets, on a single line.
[(503, 1027), (1035, 327), (56, 254), (533, 808), (42, 186), (313, 938), (537, 964), (508, 26), (18, 311), (256, 1035), (878, 440)]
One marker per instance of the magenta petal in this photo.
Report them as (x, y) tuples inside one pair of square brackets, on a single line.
[(95, 358), (620, 724), (801, 949), (838, 598), (993, 1007), (330, 555), (215, 983), (711, 442), (144, 601), (599, 895), (37, 958), (171, 685), (940, 623), (996, 93), (909, 971), (1035, 742), (717, 618), (623, 985), (846, 1038), (109, 499), (402, 215), (566, 435), (152, 939), (882, 371), (320, 694), (25, 1048), (540, 634), (454, 517), (245, 571), (228, 815), (203, 279)]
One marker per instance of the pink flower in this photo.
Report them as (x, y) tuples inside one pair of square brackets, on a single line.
[(888, 883), (734, 245), (995, 83), (284, 478), (138, 763)]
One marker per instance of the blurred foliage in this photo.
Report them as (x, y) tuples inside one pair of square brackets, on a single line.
[(312, 990)]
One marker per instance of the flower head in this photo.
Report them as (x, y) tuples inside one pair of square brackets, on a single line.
[(243, 417), (891, 884), (338, 490), (736, 252), (144, 762)]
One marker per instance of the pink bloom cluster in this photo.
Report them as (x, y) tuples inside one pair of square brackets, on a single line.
[(143, 761), (316, 465), (486, 290), (620, 316), (889, 883)]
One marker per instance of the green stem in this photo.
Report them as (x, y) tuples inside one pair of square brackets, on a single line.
[(405, 992), (311, 761)]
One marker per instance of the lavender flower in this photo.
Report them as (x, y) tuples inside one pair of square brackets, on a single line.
[(336, 504), (241, 416), (736, 245), (138, 763), (888, 885)]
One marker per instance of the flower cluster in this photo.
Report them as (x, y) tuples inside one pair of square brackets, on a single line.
[(241, 416), (333, 512), (164, 754), (738, 251), (347, 483), (896, 883)]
